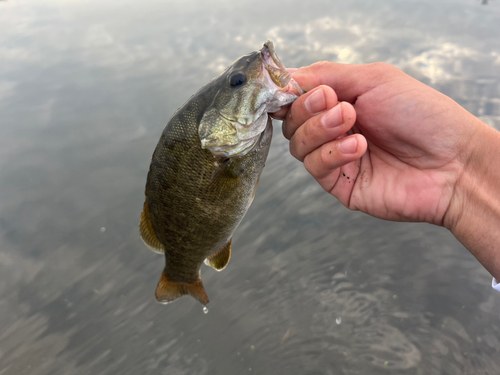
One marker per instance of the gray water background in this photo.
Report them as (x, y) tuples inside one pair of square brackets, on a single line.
[(86, 88)]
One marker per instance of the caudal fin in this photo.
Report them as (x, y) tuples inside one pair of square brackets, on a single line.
[(168, 291)]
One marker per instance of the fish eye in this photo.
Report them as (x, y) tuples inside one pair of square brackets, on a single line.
[(237, 79)]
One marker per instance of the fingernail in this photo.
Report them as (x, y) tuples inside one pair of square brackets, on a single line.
[(316, 102), (348, 145), (333, 117)]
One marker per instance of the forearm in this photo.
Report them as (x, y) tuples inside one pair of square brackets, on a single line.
[(474, 213)]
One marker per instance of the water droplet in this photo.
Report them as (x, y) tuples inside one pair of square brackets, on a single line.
[(103, 229), (395, 296), (386, 363), (252, 347), (205, 309), (338, 320)]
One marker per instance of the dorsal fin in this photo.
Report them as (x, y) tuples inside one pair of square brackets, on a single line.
[(220, 259), (147, 233), (168, 291)]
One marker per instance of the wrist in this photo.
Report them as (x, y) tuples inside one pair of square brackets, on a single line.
[(473, 215)]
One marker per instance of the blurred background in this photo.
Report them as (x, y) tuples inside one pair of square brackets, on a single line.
[(86, 88)]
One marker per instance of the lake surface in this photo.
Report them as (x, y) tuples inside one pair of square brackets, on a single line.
[(86, 88)]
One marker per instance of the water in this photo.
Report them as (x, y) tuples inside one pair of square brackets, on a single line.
[(86, 88)]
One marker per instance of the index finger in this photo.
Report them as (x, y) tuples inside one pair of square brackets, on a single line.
[(308, 105), (347, 80)]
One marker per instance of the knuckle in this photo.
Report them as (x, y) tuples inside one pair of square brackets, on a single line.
[(315, 131), (292, 148), (309, 164), (325, 155), (323, 64), (285, 128), (305, 130), (298, 147), (382, 68)]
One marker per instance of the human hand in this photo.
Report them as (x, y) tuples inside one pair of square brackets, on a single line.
[(407, 147)]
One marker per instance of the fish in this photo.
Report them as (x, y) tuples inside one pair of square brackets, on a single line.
[(206, 167)]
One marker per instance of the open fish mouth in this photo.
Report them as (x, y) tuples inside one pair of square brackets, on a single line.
[(273, 65), (277, 79)]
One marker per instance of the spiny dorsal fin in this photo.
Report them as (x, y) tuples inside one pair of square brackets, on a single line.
[(147, 233), (168, 291), (220, 259)]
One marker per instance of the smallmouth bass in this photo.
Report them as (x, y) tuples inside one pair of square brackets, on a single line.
[(206, 167)]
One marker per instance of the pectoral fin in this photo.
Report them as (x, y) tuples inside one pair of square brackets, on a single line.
[(168, 291), (147, 233), (223, 165), (220, 259)]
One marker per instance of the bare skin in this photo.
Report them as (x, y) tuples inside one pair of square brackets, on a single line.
[(385, 144)]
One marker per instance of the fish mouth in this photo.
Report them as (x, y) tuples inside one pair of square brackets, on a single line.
[(270, 56), (277, 71)]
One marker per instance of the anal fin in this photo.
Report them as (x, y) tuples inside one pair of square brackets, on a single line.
[(168, 291), (147, 233), (220, 259)]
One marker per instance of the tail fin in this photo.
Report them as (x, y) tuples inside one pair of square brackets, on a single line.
[(168, 291)]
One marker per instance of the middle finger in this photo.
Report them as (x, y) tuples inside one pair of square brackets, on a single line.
[(322, 129)]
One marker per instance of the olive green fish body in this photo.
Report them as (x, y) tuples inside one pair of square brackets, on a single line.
[(195, 200), (205, 169)]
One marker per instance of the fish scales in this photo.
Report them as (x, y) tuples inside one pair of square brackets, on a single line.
[(199, 185)]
